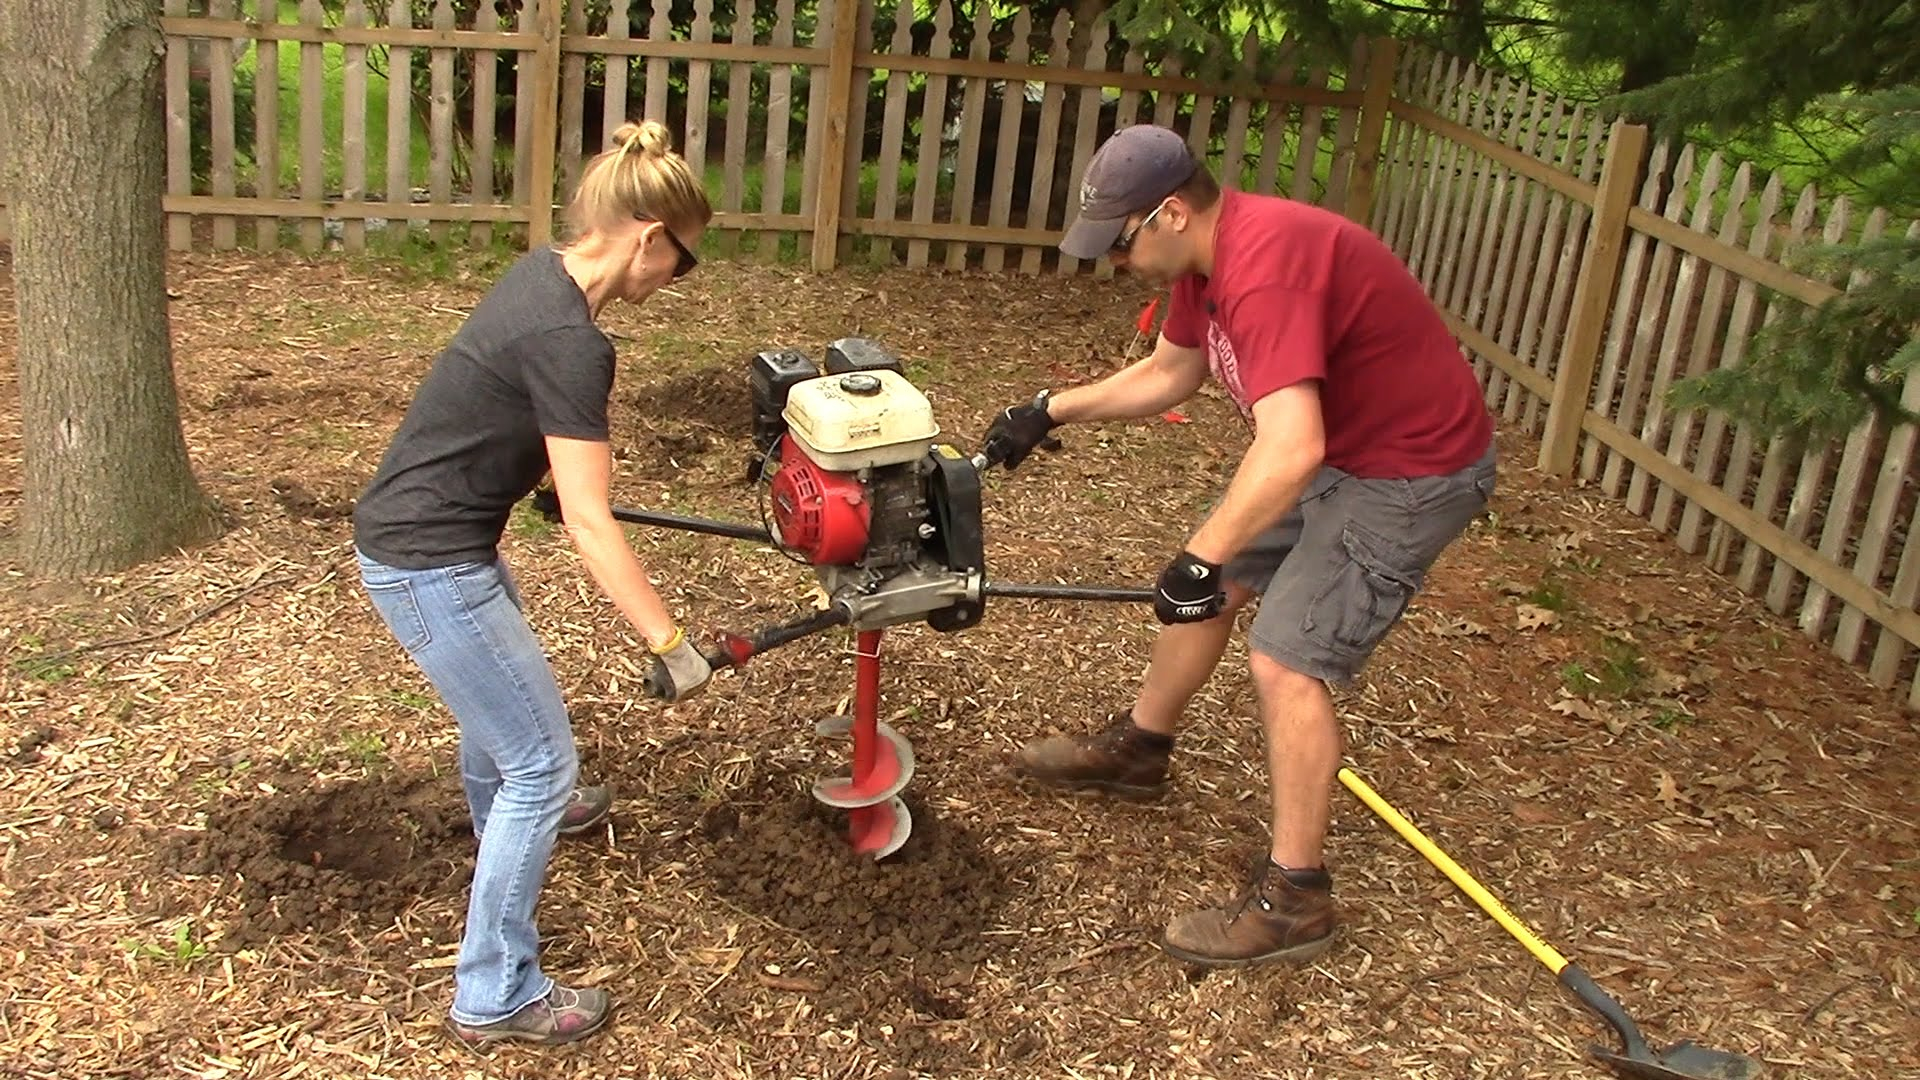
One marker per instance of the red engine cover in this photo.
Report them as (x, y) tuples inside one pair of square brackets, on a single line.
[(823, 515)]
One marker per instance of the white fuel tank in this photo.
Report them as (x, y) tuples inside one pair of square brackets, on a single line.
[(860, 419)]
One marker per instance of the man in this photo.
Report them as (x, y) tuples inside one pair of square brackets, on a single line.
[(1371, 452)]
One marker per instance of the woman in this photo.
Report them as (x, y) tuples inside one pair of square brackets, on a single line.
[(522, 390)]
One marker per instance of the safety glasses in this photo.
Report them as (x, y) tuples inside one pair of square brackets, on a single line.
[(687, 259)]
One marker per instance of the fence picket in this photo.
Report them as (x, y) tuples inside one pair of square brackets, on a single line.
[(1740, 327), (1810, 482), (266, 128), (933, 122), (1273, 127), (176, 66), (486, 20), (1239, 108), (1713, 305), (853, 154), (1440, 157), (1388, 178), (1046, 145), (773, 174), (1471, 261), (1307, 160), (1681, 300), (1200, 125), (1013, 102), (617, 72), (1842, 494), (220, 112), (1346, 124), (1773, 467), (1525, 223), (1166, 103), (440, 121), (972, 119), (573, 101), (739, 107), (525, 69), (699, 90), (353, 125), (1572, 241), (313, 76), (1645, 331), (819, 80), (1086, 121), (399, 115), (659, 28), (1876, 533), (1411, 164), (893, 131)]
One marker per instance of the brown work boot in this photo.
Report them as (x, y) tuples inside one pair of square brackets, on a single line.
[(1120, 758), (1279, 915)]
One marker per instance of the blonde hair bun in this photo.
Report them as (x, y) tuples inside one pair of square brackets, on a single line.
[(649, 137)]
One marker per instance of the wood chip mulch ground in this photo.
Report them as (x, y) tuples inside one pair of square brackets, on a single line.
[(232, 842)]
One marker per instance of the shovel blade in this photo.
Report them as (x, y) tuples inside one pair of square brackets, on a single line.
[(1682, 1061)]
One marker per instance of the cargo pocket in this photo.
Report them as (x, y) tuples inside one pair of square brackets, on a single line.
[(395, 602), (1373, 589)]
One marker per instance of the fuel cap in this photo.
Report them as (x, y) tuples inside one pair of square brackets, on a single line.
[(860, 383)]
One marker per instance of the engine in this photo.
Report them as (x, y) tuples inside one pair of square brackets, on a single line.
[(860, 487)]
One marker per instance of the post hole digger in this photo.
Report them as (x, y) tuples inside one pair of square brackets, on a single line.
[(855, 483), (1682, 1061)]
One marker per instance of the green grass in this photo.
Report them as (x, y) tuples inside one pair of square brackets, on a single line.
[(1619, 672), (333, 114), (181, 948)]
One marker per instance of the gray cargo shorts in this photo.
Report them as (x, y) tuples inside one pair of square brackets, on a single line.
[(1337, 572)]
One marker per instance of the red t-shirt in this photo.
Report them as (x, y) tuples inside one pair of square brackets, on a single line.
[(1300, 293)]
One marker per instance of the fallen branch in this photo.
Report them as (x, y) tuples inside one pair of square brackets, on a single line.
[(156, 635)]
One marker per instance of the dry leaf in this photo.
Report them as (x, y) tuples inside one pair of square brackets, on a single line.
[(1532, 789), (1669, 793), (1530, 617), (1580, 707), (1528, 813), (1456, 626)]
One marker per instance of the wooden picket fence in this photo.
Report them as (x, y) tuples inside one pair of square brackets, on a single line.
[(1583, 270), (915, 184), (1584, 285)]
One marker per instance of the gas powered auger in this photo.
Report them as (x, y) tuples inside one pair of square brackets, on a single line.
[(857, 485)]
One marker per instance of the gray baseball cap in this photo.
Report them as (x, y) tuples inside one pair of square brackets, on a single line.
[(1133, 170)]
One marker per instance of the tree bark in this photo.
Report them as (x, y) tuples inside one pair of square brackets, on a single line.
[(108, 483)]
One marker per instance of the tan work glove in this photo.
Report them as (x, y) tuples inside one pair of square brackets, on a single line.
[(679, 671)]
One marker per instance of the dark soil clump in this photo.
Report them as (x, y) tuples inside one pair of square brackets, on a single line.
[(310, 858)]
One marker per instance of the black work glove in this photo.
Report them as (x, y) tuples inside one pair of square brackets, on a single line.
[(1017, 430), (679, 671), (1189, 590)]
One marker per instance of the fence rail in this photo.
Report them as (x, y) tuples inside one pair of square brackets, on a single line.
[(1584, 270)]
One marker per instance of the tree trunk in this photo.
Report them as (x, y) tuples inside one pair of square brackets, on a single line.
[(107, 479)]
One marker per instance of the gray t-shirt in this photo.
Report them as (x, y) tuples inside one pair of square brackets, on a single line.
[(526, 364)]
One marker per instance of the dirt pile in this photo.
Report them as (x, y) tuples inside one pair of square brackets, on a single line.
[(309, 858)]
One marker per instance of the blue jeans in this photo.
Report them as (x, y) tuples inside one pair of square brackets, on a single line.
[(462, 624)]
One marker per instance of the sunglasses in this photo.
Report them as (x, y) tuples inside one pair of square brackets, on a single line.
[(687, 259), (1124, 242)]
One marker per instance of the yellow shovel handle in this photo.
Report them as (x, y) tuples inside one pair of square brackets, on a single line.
[(1542, 951)]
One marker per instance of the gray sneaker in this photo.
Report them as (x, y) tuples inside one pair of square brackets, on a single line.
[(563, 1016), (587, 809)]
